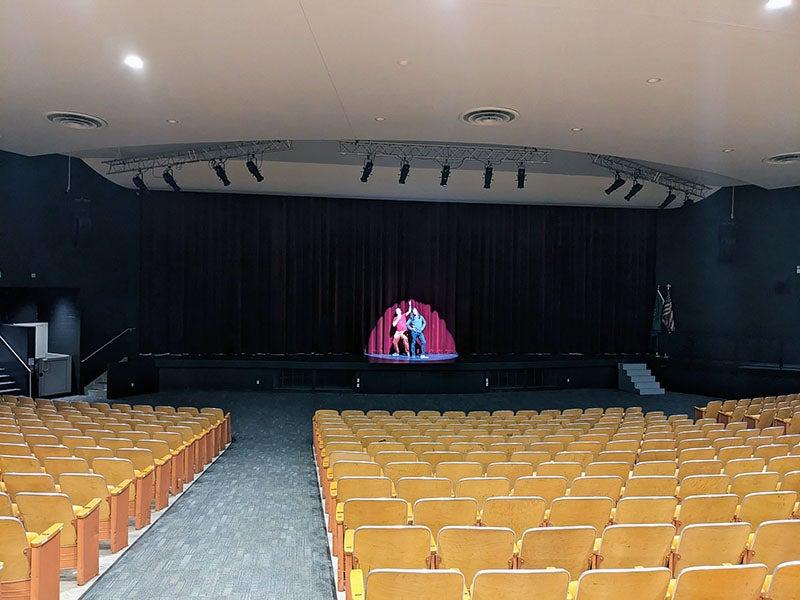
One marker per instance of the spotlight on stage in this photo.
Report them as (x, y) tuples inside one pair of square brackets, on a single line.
[(170, 180), (445, 175), (253, 168), (669, 199), (521, 178), (635, 189), (367, 171), (219, 169), (618, 183), (487, 177), (138, 181), (404, 170)]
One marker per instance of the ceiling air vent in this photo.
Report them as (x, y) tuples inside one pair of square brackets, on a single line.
[(783, 159), (489, 116), (75, 120)]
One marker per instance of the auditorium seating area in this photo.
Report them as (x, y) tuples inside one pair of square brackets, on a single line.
[(579, 504), (76, 475)]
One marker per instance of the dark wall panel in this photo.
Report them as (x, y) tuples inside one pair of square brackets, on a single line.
[(228, 273)]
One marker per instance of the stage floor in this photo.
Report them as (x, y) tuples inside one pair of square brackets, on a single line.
[(417, 360)]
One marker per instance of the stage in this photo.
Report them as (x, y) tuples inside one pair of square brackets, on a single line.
[(463, 374)]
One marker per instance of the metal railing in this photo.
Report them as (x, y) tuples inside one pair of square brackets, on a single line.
[(108, 343), (21, 362)]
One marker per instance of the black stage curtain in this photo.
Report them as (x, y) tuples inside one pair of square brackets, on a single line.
[(289, 275)]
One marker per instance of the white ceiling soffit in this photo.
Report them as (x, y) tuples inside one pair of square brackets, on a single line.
[(322, 70)]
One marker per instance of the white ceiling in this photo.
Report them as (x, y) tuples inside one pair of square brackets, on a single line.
[(323, 70)]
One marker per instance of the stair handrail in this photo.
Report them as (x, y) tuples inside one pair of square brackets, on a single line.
[(109, 342), (22, 362)]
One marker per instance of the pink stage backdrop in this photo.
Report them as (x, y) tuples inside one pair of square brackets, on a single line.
[(440, 340)]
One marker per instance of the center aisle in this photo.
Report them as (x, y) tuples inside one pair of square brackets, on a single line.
[(257, 508)]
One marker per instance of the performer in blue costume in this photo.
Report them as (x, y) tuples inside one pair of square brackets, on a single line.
[(417, 324)]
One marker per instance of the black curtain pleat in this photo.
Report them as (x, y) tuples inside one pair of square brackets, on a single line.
[(226, 273)]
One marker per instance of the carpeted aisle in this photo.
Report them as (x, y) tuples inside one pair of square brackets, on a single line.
[(251, 526)]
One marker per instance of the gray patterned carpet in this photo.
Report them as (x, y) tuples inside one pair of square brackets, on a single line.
[(251, 526)]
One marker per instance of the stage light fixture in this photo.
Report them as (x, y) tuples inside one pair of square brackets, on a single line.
[(138, 181), (445, 175), (219, 169), (618, 183), (520, 177), (367, 171), (404, 170), (170, 180), (253, 168), (635, 189), (487, 177), (669, 199)]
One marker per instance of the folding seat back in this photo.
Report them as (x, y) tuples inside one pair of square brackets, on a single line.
[(41, 439), (766, 506), (614, 469), (363, 487), (699, 467), (19, 464), (784, 464), (651, 485), (82, 488), (402, 547), (646, 509), (14, 550), (710, 544), (374, 447), (485, 457), (115, 443), (769, 451), (656, 468), (412, 489), (358, 512), (455, 471), (518, 584), (710, 508), (28, 482), (568, 470), (40, 511), (518, 513), (160, 449), (657, 455), (89, 453), (607, 485), (6, 510), (75, 441), (751, 464), (534, 458), (695, 485), (397, 470), (472, 549), (785, 582), (547, 487), (568, 548), (748, 483), (15, 450), (572, 456), (482, 488), (11, 438), (435, 457), (391, 584), (731, 582), (594, 511), (629, 546), (775, 542), (352, 468), (42, 452), (700, 453), (623, 584), (435, 513), (142, 458), (115, 470)]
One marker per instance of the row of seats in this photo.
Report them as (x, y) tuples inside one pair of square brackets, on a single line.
[(747, 582), (594, 471), (72, 474), (756, 412)]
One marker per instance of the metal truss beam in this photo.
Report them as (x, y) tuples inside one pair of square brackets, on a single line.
[(207, 153), (635, 170), (445, 154)]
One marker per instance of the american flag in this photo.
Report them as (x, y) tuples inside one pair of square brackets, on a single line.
[(667, 314)]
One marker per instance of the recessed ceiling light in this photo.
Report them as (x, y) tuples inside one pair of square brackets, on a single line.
[(576, 129), (777, 4), (134, 61), (728, 150), (403, 62), (173, 121), (380, 119), (654, 80)]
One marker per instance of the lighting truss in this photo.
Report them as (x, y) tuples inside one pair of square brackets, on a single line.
[(640, 172), (217, 153), (454, 155)]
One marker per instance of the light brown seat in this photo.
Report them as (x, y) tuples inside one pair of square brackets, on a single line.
[(482, 488), (518, 513), (623, 584), (435, 513), (711, 508), (391, 584), (594, 511), (83, 488), (472, 549), (18, 551), (775, 542), (547, 487), (785, 582), (629, 546), (520, 584), (28, 482), (568, 548), (645, 509), (710, 544), (733, 582), (766, 506)]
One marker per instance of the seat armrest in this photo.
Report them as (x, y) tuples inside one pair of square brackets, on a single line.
[(117, 490), (349, 537), (88, 509), (339, 512), (144, 472), (357, 584), (47, 535)]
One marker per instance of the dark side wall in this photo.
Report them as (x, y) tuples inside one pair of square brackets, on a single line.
[(743, 307), (86, 239)]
